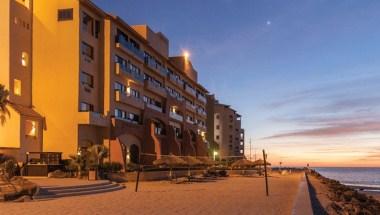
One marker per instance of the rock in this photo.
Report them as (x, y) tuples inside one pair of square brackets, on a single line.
[(347, 195)]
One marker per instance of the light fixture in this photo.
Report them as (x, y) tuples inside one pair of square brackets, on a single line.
[(186, 54)]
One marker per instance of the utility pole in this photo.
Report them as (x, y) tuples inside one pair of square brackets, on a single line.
[(265, 172), (250, 149)]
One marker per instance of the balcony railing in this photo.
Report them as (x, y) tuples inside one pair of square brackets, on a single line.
[(154, 107), (201, 112), (176, 116), (93, 118), (125, 69), (190, 106), (201, 98), (175, 96), (126, 45), (190, 90), (155, 88), (129, 100), (175, 80), (190, 121), (128, 120)]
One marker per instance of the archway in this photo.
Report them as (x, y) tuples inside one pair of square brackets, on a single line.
[(134, 153)]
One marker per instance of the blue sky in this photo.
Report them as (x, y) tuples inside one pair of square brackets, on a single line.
[(304, 74)]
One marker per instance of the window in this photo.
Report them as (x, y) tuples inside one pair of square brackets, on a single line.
[(65, 14), (87, 50), (217, 137), (217, 127), (31, 128), (97, 28), (87, 79), (130, 117), (17, 87), (87, 23), (134, 93), (217, 116), (26, 3), (120, 87), (86, 107), (24, 59)]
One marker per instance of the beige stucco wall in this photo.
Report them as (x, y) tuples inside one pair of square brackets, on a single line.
[(56, 77), (4, 42), (10, 131)]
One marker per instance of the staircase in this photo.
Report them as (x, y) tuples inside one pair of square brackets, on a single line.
[(50, 192)]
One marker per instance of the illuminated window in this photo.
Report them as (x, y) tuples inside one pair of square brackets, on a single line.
[(24, 59), (17, 87), (31, 128)]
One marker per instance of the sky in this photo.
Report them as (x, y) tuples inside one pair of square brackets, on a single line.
[(305, 75)]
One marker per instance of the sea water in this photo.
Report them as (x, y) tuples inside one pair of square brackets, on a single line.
[(367, 179)]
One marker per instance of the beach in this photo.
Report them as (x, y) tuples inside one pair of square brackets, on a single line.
[(231, 195)]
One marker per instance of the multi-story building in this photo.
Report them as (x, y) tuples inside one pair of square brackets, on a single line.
[(224, 131), (90, 78)]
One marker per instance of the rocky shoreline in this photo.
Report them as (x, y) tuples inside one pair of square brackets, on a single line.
[(336, 198)]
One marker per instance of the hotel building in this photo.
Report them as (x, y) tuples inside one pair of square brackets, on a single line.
[(224, 132), (79, 76)]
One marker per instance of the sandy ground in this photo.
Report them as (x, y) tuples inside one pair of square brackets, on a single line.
[(234, 195)]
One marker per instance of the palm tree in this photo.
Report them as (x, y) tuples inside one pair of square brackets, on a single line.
[(4, 112)]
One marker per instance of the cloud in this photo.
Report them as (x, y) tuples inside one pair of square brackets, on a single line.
[(334, 129)]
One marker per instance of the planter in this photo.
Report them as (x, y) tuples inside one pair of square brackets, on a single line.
[(92, 175)]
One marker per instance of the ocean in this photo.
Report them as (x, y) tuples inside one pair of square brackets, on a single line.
[(365, 179)]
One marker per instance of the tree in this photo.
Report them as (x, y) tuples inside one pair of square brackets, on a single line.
[(4, 102)]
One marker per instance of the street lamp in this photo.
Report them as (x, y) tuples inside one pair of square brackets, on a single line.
[(215, 154)]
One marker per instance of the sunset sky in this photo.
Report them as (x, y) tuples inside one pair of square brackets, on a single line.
[(305, 75)]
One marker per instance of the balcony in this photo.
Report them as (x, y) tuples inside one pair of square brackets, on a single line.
[(93, 118), (155, 88), (119, 69), (202, 98), (176, 116), (128, 120), (154, 107), (157, 67), (175, 96), (190, 107), (191, 122), (175, 80), (127, 47), (201, 112), (190, 90), (129, 100)]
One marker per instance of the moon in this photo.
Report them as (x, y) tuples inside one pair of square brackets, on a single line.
[(268, 22)]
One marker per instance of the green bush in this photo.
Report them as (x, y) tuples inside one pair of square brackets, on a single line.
[(111, 167)]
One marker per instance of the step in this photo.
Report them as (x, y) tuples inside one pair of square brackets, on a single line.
[(76, 186), (71, 190), (88, 192)]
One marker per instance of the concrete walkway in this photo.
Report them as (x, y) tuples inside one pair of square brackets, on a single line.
[(302, 205)]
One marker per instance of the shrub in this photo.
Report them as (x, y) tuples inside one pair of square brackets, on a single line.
[(111, 167)]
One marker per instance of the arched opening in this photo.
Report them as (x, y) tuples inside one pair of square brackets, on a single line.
[(193, 136), (134, 153)]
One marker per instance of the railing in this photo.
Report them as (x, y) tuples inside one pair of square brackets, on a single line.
[(175, 96), (128, 120), (127, 99), (190, 106), (190, 90), (126, 70), (154, 107), (155, 87), (176, 116), (201, 112), (201, 98), (190, 121), (175, 80), (128, 45)]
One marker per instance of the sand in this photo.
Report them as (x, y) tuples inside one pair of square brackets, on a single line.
[(234, 195)]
